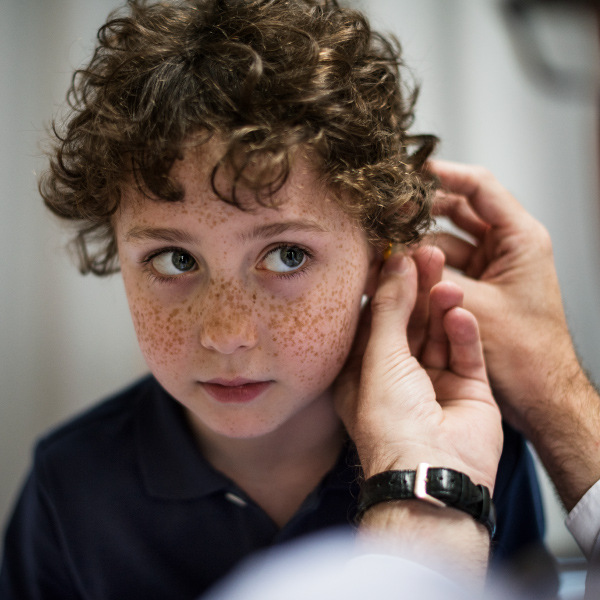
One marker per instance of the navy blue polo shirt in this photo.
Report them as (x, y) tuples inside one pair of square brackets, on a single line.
[(121, 504)]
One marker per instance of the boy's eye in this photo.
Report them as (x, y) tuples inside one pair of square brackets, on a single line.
[(174, 262), (284, 259)]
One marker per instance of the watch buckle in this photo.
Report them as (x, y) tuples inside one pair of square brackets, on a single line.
[(420, 489)]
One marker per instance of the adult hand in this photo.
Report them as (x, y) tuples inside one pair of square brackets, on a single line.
[(511, 286), (415, 390), (423, 399)]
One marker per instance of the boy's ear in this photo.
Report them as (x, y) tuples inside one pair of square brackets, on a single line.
[(373, 272)]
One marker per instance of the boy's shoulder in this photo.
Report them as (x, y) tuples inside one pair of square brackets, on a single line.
[(108, 422), (133, 444)]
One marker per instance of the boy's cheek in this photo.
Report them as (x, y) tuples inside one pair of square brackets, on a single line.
[(159, 328), (317, 333), (159, 332)]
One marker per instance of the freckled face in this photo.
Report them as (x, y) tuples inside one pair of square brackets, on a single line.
[(267, 298)]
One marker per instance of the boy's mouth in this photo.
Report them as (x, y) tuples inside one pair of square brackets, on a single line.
[(234, 390)]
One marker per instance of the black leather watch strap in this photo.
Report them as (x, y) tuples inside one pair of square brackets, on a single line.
[(436, 485)]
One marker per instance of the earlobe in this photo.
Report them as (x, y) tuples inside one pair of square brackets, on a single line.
[(373, 274)]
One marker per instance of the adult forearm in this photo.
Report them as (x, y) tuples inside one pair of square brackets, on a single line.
[(429, 535), (564, 427)]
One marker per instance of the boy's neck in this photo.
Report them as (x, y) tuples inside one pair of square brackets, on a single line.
[(314, 431), (279, 469)]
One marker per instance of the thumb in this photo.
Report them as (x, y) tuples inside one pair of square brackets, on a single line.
[(393, 303)]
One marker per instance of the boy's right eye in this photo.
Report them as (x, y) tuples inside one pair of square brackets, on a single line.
[(173, 262)]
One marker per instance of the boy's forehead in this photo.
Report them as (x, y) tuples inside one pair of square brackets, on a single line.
[(303, 195)]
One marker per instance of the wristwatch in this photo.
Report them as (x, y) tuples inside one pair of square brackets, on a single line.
[(439, 486)]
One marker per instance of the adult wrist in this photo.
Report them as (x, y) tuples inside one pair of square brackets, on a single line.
[(424, 454), (437, 486), (422, 533)]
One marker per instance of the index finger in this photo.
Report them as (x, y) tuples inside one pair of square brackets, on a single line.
[(490, 200), (466, 349)]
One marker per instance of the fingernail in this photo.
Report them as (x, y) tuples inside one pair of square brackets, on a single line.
[(393, 249), (397, 263), (399, 249)]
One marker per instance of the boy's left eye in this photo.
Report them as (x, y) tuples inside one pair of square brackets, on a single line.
[(284, 259)]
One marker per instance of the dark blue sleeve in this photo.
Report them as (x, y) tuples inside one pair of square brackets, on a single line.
[(33, 565), (519, 547)]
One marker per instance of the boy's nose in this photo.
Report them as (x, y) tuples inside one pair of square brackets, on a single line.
[(227, 329)]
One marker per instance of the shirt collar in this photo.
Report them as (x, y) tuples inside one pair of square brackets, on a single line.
[(171, 463)]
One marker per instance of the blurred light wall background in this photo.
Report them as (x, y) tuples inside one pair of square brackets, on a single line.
[(67, 341)]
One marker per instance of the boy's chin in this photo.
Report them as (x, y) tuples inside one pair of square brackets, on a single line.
[(233, 429)]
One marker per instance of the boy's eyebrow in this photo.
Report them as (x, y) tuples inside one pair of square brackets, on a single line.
[(161, 234), (273, 229), (174, 235)]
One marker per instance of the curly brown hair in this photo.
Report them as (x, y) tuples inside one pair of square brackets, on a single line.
[(268, 77)]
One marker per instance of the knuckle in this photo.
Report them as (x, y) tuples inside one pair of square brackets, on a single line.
[(455, 204), (390, 296), (384, 300), (483, 173), (542, 236)]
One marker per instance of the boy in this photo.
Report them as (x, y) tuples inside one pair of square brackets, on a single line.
[(243, 163)]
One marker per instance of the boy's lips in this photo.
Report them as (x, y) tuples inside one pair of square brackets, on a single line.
[(234, 390)]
